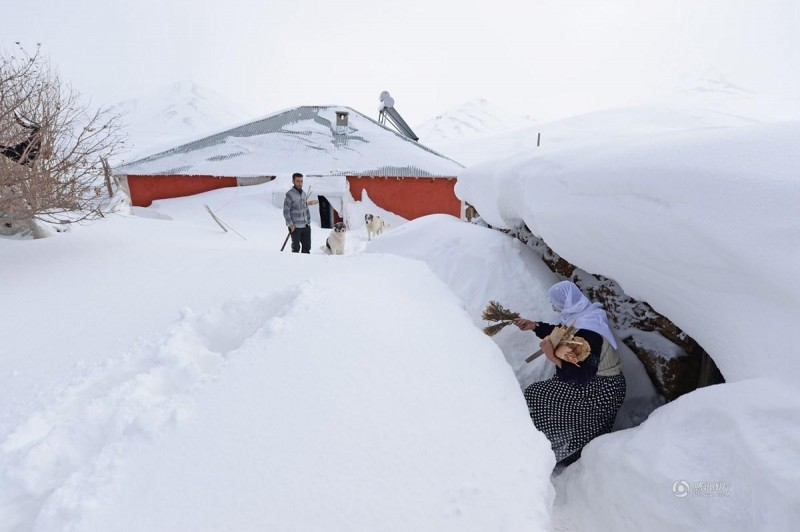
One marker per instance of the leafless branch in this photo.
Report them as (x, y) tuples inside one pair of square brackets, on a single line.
[(53, 145)]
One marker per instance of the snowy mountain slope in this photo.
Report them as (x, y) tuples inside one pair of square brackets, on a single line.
[(718, 93), (474, 119), (612, 126), (708, 101), (184, 110)]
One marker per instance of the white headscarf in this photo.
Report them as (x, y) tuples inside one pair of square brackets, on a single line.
[(574, 306)]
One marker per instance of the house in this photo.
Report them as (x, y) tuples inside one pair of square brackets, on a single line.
[(341, 152)]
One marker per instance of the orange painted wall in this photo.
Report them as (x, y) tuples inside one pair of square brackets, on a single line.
[(147, 188), (410, 197)]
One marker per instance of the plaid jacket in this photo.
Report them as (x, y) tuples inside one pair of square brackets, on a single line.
[(295, 208)]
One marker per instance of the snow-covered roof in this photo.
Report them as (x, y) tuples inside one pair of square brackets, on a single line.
[(304, 139)]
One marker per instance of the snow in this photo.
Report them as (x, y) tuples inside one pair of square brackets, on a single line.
[(301, 139), (182, 111), (700, 223), (160, 374), (480, 265), (732, 447), (481, 131), (478, 118), (263, 390)]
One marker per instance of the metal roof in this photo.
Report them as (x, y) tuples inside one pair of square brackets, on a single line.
[(281, 123)]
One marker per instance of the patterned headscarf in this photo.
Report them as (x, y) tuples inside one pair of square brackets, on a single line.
[(568, 299)]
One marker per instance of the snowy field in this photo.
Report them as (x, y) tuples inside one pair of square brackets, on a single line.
[(160, 374)]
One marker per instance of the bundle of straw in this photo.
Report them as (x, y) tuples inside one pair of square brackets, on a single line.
[(496, 312)]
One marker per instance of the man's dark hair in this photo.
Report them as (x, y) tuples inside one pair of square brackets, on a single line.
[(296, 175)]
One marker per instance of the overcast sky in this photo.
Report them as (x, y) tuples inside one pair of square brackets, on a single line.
[(548, 58)]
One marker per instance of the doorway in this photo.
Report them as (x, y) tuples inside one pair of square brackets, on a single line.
[(325, 213)]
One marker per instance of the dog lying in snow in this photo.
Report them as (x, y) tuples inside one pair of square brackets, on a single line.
[(335, 243), (375, 225)]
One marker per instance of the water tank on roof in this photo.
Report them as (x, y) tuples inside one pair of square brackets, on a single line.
[(387, 112)]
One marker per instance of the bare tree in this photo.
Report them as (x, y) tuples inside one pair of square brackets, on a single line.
[(52, 145)]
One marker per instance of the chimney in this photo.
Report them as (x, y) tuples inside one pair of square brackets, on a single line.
[(341, 130), (341, 121)]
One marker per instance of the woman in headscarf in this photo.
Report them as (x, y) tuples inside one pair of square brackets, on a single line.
[(581, 401)]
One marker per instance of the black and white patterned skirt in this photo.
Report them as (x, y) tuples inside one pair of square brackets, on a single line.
[(571, 415)]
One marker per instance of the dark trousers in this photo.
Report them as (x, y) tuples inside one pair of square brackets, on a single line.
[(301, 235)]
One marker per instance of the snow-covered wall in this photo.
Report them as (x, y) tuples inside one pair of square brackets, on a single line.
[(702, 224)]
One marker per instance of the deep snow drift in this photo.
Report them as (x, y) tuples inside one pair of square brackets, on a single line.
[(160, 374), (699, 224), (198, 381), (702, 224), (720, 458)]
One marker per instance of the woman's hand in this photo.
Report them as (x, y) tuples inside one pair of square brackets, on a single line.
[(525, 325), (549, 352)]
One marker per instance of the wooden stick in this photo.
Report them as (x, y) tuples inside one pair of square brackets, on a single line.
[(221, 223), (534, 356), (285, 241)]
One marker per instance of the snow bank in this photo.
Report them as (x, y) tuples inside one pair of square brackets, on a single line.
[(721, 458), (699, 224), (480, 265), (356, 210), (616, 126), (202, 382)]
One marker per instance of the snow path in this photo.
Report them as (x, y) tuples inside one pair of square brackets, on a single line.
[(125, 400)]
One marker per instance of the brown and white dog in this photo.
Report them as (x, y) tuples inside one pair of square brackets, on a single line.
[(335, 243), (375, 225)]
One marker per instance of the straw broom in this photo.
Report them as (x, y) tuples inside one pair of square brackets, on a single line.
[(496, 312), (566, 345)]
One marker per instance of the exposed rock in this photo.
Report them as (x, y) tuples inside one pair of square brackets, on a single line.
[(673, 374)]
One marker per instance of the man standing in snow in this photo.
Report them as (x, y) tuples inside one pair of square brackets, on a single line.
[(297, 215)]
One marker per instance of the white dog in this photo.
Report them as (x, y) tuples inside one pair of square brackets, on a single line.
[(335, 243), (375, 225)]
